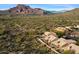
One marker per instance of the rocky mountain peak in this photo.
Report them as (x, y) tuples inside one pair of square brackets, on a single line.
[(24, 9), (23, 6)]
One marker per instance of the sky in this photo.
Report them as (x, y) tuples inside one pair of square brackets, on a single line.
[(50, 7)]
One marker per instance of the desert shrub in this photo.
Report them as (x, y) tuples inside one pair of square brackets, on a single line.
[(2, 29), (77, 40), (68, 52), (60, 31), (60, 34), (19, 33)]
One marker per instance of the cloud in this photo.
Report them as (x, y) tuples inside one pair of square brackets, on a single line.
[(59, 7), (4, 9), (63, 5), (50, 7)]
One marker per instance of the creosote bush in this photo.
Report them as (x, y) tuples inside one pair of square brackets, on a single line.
[(69, 52)]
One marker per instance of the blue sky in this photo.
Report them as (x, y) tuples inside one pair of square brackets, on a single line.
[(52, 7)]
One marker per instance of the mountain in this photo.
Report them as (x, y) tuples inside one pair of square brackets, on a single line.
[(23, 9), (75, 10), (52, 12), (27, 10), (4, 12)]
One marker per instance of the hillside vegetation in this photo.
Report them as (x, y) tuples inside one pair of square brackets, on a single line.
[(18, 34)]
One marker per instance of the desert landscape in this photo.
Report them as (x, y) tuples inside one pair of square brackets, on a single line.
[(28, 30)]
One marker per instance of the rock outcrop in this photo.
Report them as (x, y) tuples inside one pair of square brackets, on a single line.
[(60, 43)]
